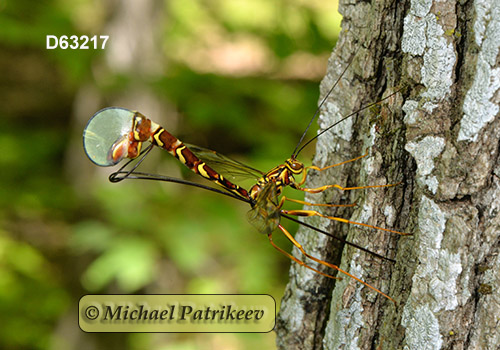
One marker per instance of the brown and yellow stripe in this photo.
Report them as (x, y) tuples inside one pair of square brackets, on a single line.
[(162, 138)]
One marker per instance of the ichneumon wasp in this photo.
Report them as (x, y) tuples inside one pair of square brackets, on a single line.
[(114, 134)]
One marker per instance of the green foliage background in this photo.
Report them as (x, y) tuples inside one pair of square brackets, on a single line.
[(65, 231)]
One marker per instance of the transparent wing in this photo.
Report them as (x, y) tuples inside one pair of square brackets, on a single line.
[(230, 168), (265, 214)]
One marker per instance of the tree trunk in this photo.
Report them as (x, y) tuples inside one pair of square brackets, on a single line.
[(438, 136)]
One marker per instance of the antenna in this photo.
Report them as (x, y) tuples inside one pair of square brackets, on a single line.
[(347, 117), (295, 152)]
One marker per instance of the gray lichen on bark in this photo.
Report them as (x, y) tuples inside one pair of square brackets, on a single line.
[(440, 137)]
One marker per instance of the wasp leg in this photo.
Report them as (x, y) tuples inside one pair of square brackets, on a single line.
[(319, 261), (269, 235), (313, 167), (322, 188), (315, 213), (316, 204)]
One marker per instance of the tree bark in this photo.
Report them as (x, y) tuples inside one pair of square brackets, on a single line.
[(440, 137)]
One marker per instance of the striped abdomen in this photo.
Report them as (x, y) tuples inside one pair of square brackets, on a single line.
[(162, 138)]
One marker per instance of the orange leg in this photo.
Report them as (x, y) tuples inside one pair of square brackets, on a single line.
[(283, 199), (322, 188), (301, 263), (315, 213), (319, 261), (313, 167)]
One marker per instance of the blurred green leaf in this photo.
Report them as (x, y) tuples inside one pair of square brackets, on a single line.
[(229, 79), (91, 236), (130, 261)]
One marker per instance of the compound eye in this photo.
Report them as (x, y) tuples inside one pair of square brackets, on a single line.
[(296, 165)]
